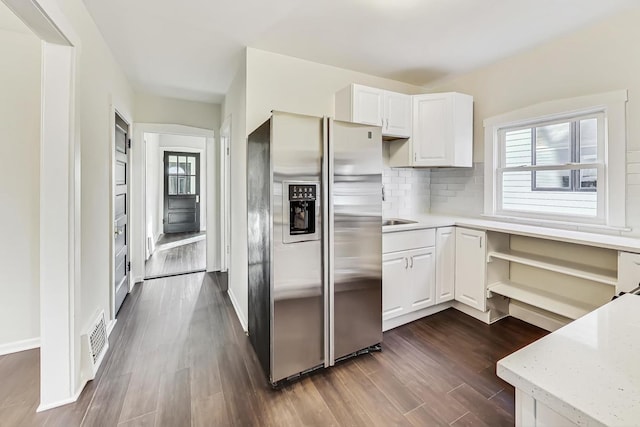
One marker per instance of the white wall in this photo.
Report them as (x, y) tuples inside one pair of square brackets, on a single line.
[(235, 110), (277, 82), (153, 170), (601, 58), (20, 189)]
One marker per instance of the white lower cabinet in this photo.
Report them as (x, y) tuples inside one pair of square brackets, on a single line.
[(445, 264), (422, 276), (411, 281), (408, 279), (395, 286), (470, 267)]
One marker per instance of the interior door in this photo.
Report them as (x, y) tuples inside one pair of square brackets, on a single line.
[(121, 210), (181, 192)]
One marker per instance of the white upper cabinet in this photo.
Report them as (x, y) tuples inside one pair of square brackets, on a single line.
[(368, 105), (397, 113), (378, 107), (442, 133)]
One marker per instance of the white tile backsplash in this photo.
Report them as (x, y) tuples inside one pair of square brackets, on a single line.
[(458, 190), (406, 190)]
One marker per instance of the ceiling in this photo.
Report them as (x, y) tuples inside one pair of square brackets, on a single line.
[(191, 49)]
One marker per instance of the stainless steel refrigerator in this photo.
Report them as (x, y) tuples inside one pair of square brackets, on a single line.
[(315, 242)]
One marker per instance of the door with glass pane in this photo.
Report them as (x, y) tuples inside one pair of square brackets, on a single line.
[(181, 192)]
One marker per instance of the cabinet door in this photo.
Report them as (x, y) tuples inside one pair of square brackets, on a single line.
[(432, 137), (445, 263), (397, 114), (628, 272), (368, 105), (422, 276), (470, 267), (395, 284)]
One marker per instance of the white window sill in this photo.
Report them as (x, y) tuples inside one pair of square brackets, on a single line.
[(559, 224)]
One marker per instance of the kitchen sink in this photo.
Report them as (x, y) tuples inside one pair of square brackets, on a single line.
[(397, 221)]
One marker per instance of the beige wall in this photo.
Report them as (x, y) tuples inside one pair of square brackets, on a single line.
[(600, 58), (158, 109), (101, 86), (20, 188), (279, 82)]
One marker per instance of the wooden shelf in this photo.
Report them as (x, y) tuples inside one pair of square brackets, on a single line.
[(545, 300), (608, 277)]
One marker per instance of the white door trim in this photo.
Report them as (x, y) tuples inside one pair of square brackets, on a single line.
[(138, 196), (225, 202), (60, 379)]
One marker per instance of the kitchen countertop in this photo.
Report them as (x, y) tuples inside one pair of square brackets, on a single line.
[(627, 244), (588, 370)]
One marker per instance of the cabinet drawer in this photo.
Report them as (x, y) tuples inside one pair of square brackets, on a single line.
[(405, 240), (628, 271)]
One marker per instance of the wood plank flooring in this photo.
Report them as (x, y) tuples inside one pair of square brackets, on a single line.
[(179, 357), (172, 257)]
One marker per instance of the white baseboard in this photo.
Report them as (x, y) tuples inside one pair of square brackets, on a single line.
[(241, 317), (476, 314), (415, 315), (16, 346), (111, 325), (63, 402)]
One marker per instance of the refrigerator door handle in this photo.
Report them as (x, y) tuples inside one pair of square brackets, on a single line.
[(329, 240)]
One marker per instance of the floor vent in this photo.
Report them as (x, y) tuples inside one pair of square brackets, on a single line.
[(96, 343)]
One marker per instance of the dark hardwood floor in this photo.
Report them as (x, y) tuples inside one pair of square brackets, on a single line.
[(179, 357), (177, 253)]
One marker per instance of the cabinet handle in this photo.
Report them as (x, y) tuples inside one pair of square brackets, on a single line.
[(387, 127), (411, 265), (415, 157), (480, 241), (406, 263)]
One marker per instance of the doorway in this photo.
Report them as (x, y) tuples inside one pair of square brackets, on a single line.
[(176, 203)]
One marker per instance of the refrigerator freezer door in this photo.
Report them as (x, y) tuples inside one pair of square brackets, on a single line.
[(356, 234), (297, 283)]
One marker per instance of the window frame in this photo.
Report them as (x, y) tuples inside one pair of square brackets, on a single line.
[(610, 108)]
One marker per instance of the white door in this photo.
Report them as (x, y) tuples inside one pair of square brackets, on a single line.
[(422, 276), (470, 281), (445, 263), (397, 115), (395, 284), (432, 130), (368, 105)]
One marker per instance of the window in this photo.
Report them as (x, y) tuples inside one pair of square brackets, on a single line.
[(552, 167), (559, 161), (181, 175)]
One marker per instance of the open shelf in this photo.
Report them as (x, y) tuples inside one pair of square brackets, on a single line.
[(596, 274), (545, 300)]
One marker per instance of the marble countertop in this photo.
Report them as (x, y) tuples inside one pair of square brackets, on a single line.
[(587, 371), (627, 244)]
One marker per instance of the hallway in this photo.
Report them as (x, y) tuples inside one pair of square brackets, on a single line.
[(178, 253), (179, 357)]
